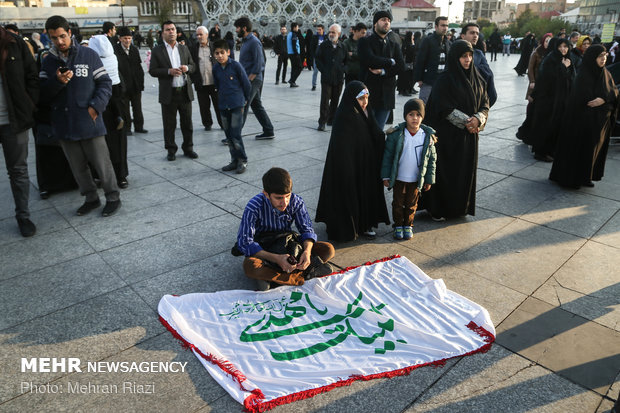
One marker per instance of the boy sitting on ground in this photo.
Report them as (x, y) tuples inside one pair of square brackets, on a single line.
[(274, 253), (408, 166)]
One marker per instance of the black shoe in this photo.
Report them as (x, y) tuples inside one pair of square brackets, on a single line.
[(313, 88), (284, 81), (589, 184), (190, 154), (277, 83), (110, 208), (294, 84), (544, 158), (141, 131), (208, 128), (123, 184), (44, 194), (225, 141), (26, 227), (265, 135), (230, 167), (241, 167), (171, 156), (321, 127), (129, 133), (88, 206)]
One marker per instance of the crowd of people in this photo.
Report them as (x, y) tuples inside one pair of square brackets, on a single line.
[(568, 80), (83, 100)]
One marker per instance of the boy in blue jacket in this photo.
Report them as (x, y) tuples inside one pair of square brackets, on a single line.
[(408, 165), (233, 91)]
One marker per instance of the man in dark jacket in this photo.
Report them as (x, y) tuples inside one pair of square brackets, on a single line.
[(132, 76), (470, 32), (431, 58), (77, 87), (380, 61), (279, 46), (330, 59), (202, 55), (19, 93), (171, 64)]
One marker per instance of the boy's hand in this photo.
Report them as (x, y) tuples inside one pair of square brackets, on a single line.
[(426, 187), (304, 260), (282, 261), (386, 183)]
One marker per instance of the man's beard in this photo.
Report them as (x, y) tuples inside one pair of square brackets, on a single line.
[(381, 31), (240, 34)]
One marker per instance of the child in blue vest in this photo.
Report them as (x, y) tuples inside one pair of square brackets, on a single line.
[(408, 165)]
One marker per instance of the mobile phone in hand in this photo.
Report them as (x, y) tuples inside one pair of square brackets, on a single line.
[(291, 260)]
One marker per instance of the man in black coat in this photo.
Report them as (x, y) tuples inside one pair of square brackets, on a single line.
[(132, 76), (202, 78), (19, 93), (279, 46), (330, 59), (172, 64), (431, 58), (380, 61)]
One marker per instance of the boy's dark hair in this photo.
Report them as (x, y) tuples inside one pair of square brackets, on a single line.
[(320, 25), (221, 44), (440, 18), (243, 22), (57, 22), (107, 26), (360, 26), (467, 26), (293, 25), (277, 181), (167, 22)]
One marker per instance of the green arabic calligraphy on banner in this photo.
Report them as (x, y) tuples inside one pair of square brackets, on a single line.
[(273, 325)]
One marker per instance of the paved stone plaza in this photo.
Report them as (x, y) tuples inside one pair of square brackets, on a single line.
[(543, 260)]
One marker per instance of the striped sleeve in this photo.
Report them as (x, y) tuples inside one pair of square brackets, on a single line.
[(247, 229), (97, 73), (302, 219)]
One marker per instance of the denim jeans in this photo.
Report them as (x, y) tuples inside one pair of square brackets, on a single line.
[(255, 103), (232, 122), (381, 116)]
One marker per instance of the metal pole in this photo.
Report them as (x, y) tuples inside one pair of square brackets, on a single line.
[(122, 12)]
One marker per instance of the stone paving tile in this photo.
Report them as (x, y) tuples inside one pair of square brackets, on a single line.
[(487, 178), (7, 205), (609, 234), (592, 292), (500, 381), (503, 166), (578, 214), (130, 226), (520, 256), (514, 196), (589, 353), (46, 220), (217, 273), (42, 251), (158, 164), (149, 257), (55, 287), (108, 324)]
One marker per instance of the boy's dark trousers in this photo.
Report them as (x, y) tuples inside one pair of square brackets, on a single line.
[(405, 203)]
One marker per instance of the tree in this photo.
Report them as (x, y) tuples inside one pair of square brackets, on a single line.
[(165, 11)]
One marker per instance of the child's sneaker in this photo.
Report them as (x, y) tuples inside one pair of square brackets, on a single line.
[(407, 232), (398, 233)]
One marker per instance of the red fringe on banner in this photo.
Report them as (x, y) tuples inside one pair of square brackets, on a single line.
[(254, 402)]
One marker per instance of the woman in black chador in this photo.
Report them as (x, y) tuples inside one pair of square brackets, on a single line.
[(551, 92), (589, 119), (351, 201), (457, 109), (527, 46)]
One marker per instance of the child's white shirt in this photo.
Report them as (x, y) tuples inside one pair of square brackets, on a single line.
[(411, 157)]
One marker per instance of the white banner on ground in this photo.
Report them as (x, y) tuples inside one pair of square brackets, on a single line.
[(381, 319)]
